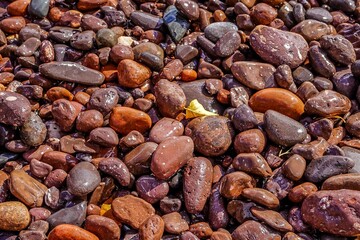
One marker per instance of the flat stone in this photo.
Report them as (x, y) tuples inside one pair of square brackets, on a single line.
[(71, 72)]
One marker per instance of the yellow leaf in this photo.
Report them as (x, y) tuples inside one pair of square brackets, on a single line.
[(195, 109), (104, 208)]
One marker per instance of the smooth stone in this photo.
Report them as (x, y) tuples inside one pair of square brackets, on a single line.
[(254, 75), (166, 160), (176, 24), (102, 227), (342, 181), (132, 210), (273, 219), (103, 100), (186, 53), (212, 135), (74, 215), (282, 129), (15, 109), (90, 22), (33, 132), (196, 90), (189, 8), (345, 83), (320, 14), (104, 136), (124, 120), (244, 118), (83, 40), (148, 47), (165, 128), (227, 44), (106, 38), (170, 98), (151, 189), (71, 72), (14, 216), (343, 5), (132, 74), (277, 99), (138, 160), (253, 230), (70, 232), (311, 29), (26, 188), (327, 103), (333, 211), (294, 167), (279, 47), (327, 166), (353, 124), (262, 197), (198, 176), (28, 47), (146, 20), (83, 179), (216, 30), (39, 8)]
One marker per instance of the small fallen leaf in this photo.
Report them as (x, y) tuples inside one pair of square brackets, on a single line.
[(195, 109), (104, 208)]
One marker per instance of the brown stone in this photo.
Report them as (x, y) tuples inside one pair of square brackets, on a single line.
[(277, 99), (333, 211), (125, 119), (132, 210), (152, 228), (132, 74), (27, 189)]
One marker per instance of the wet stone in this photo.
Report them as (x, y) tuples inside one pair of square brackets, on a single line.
[(215, 31), (175, 23), (252, 74), (275, 127), (14, 108), (83, 179), (316, 209), (74, 215), (71, 72), (290, 48), (39, 8)]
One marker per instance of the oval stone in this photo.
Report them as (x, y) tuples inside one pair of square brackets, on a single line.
[(197, 183), (14, 108), (212, 135), (132, 74), (279, 47), (167, 159), (170, 98), (342, 181), (70, 232), (164, 128), (14, 216), (333, 211), (311, 29), (277, 99), (125, 119), (102, 227), (71, 72), (216, 30), (282, 129), (83, 179)]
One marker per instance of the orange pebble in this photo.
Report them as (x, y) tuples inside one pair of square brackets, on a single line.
[(188, 75), (223, 96), (110, 72)]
